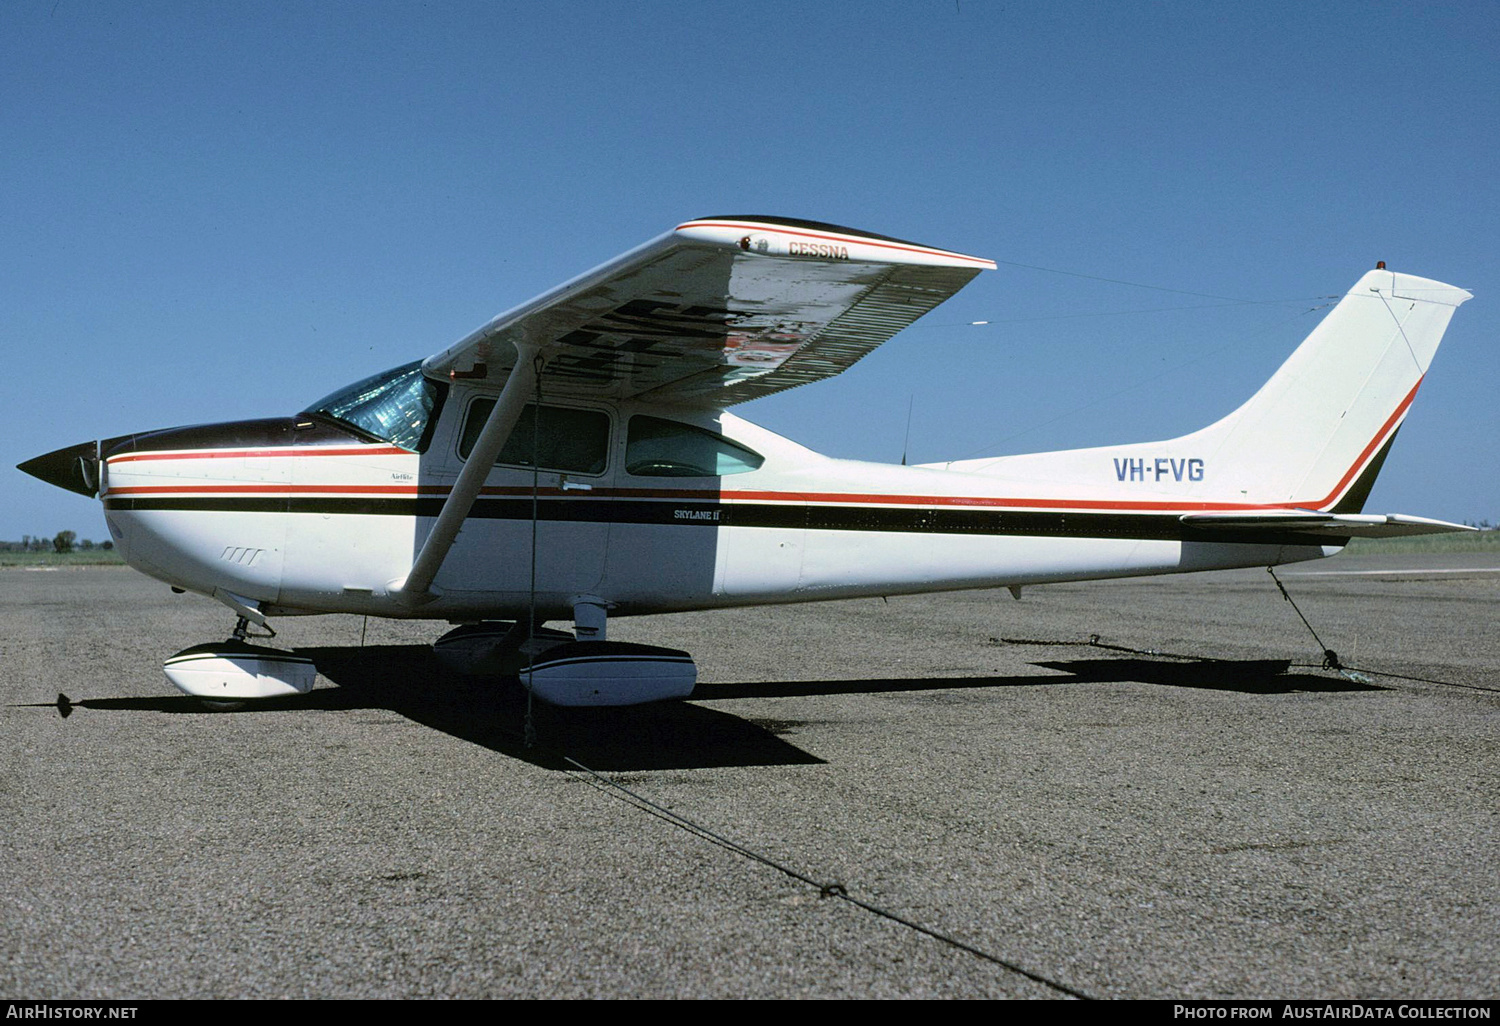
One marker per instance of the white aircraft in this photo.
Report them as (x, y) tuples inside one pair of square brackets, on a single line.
[(435, 490)]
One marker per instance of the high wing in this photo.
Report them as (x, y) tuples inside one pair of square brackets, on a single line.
[(717, 311)]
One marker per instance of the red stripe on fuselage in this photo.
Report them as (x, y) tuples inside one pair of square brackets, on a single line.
[(227, 454), (705, 495), (288, 489)]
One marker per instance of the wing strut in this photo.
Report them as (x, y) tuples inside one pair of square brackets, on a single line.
[(497, 428)]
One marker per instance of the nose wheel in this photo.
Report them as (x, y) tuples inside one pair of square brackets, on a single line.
[(209, 705)]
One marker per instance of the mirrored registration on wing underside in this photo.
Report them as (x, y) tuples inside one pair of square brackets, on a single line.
[(705, 333)]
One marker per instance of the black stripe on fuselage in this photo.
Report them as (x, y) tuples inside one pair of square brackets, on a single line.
[(899, 520)]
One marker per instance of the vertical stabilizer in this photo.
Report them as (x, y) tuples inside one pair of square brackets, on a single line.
[(1312, 437), (1325, 418)]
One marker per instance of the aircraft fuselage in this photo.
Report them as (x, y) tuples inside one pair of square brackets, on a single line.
[(298, 516)]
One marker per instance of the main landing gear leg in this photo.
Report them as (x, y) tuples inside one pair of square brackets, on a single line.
[(589, 618)]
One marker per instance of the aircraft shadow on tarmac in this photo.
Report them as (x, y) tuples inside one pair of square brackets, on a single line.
[(1249, 676), (491, 712), (407, 680)]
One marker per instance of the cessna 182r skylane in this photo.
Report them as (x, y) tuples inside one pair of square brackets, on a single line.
[(435, 490)]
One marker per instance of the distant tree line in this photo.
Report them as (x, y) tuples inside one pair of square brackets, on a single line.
[(62, 541)]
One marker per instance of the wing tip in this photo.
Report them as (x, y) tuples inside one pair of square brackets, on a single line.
[(819, 239)]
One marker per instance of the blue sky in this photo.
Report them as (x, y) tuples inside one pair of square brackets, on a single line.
[(216, 211)]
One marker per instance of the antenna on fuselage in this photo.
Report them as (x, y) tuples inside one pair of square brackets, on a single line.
[(906, 442)]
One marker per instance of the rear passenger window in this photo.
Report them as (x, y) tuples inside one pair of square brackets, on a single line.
[(568, 440), (666, 448)]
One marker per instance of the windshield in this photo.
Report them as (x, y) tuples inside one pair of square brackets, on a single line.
[(396, 406)]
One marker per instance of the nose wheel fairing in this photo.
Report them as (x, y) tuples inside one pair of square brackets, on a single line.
[(236, 670)]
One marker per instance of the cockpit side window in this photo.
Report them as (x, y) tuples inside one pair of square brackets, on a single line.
[(573, 441), (667, 448), (399, 406)]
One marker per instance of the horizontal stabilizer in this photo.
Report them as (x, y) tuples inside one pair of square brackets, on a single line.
[(1361, 525)]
